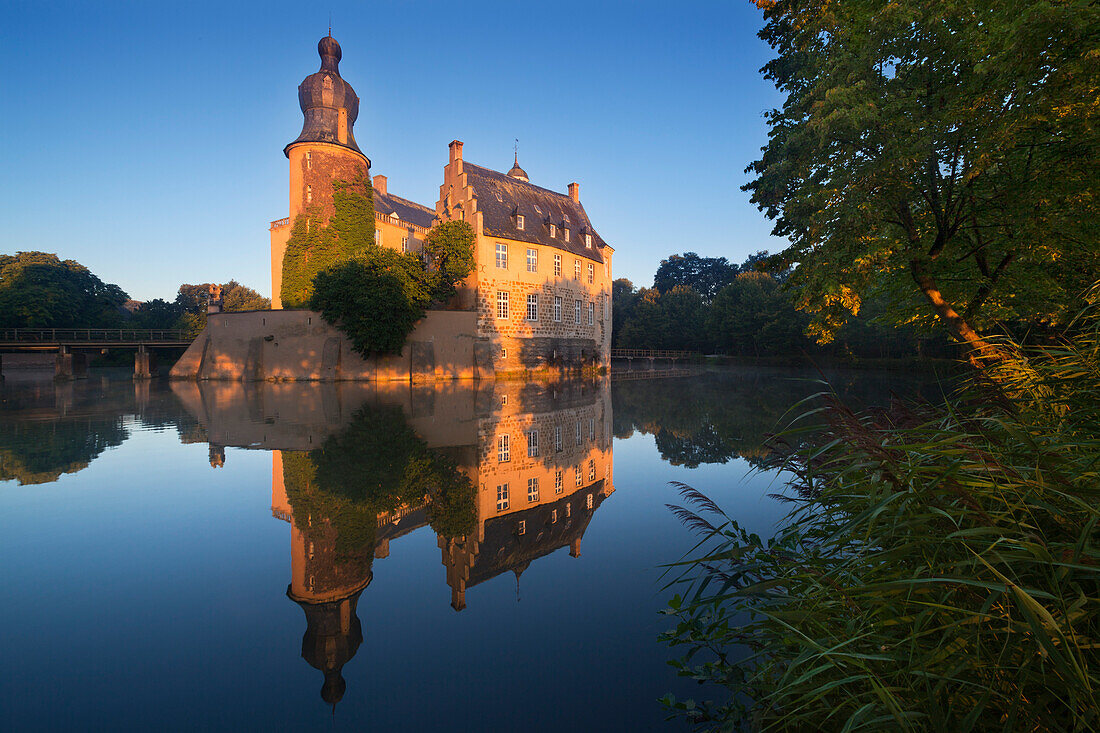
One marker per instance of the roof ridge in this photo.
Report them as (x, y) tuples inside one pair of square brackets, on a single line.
[(408, 201), (517, 181)]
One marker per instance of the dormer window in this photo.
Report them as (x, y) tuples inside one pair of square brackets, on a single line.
[(565, 233), (588, 241), (553, 232), (537, 209), (519, 221)]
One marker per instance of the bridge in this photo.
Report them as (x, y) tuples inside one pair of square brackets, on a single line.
[(652, 354), (72, 343)]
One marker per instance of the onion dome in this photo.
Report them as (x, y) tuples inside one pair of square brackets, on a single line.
[(328, 103), (518, 173)]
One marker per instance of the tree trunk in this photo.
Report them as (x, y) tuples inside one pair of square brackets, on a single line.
[(981, 352)]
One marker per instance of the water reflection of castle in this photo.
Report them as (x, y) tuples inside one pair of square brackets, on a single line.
[(538, 457)]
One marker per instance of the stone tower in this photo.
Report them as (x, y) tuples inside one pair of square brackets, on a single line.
[(325, 150)]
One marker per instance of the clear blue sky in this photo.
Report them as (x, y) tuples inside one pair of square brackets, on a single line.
[(145, 139)]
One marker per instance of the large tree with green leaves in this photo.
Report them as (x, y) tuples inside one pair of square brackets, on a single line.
[(943, 155), (39, 290)]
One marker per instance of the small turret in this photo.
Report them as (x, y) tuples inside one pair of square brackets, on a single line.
[(518, 173)]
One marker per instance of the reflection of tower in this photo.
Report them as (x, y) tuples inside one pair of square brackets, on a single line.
[(327, 574), (217, 455)]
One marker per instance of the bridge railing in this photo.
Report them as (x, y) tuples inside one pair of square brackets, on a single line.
[(92, 335), (651, 354)]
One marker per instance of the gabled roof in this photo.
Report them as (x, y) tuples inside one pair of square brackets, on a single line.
[(539, 207), (410, 211)]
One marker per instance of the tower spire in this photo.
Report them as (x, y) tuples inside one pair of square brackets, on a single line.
[(517, 172)]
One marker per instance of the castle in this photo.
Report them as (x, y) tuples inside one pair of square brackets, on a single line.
[(541, 285)]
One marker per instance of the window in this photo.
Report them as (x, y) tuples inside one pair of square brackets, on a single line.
[(502, 255), (576, 269), (553, 232), (532, 307), (504, 452), (309, 194), (404, 244), (576, 312), (502, 497), (557, 265), (577, 438), (532, 260), (504, 355), (591, 428), (588, 241), (532, 490), (532, 443), (565, 233), (519, 221), (499, 198), (557, 438), (378, 237), (591, 273), (557, 309), (554, 516), (578, 476), (568, 507), (309, 161), (537, 208), (588, 501), (591, 313), (503, 400), (521, 528), (558, 481), (502, 305), (591, 474)]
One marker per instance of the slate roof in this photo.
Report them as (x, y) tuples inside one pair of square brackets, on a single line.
[(410, 211), (503, 549), (518, 197), (321, 95)]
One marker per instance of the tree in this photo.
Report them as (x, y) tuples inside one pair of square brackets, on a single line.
[(449, 256), (649, 326), (376, 301), (706, 275), (38, 290), (944, 156), (753, 317), (315, 245), (157, 313), (684, 311), (191, 300), (623, 297)]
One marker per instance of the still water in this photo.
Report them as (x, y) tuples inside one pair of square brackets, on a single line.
[(471, 557)]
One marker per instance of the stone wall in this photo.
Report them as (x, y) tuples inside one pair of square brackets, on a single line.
[(300, 345)]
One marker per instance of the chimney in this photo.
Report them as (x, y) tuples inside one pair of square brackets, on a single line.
[(380, 184), (575, 191), (456, 150), (575, 547)]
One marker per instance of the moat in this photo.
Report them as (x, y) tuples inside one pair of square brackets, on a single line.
[(466, 556)]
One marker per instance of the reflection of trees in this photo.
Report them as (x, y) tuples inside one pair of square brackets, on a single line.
[(377, 464), (715, 416), (38, 452)]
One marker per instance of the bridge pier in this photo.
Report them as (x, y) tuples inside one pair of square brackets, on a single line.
[(1, 367), (143, 363), (69, 365)]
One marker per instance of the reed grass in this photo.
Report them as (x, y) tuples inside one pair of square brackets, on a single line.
[(938, 569)]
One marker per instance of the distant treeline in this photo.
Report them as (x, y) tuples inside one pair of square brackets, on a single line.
[(39, 290), (711, 305)]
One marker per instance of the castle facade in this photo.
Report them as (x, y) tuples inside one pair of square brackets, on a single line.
[(541, 285)]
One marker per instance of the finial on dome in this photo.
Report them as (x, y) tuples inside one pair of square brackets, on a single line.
[(518, 173), (330, 53)]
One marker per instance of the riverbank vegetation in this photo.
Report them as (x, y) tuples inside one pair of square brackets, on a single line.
[(939, 569)]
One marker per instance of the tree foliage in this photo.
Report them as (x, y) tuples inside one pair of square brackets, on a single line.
[(944, 157), (704, 275), (449, 257), (38, 290)]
